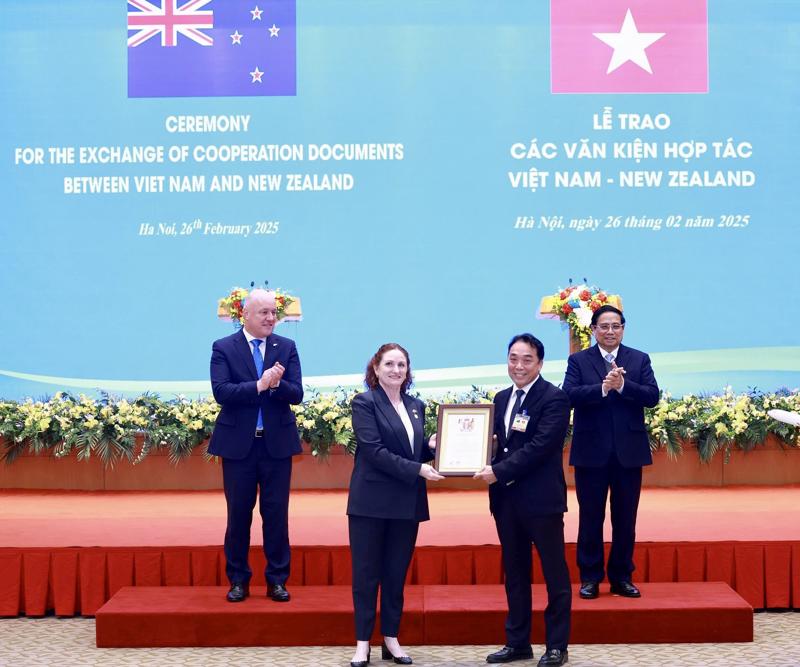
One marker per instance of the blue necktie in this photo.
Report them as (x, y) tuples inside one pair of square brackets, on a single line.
[(515, 410), (259, 370)]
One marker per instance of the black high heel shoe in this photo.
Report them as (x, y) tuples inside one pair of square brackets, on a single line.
[(386, 654), (361, 663)]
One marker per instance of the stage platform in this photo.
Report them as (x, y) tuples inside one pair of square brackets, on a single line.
[(69, 552), (433, 615)]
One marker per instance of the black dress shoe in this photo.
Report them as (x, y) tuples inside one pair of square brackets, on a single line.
[(626, 589), (278, 593), (589, 590), (238, 593), (554, 656), (509, 654), (386, 654), (360, 663)]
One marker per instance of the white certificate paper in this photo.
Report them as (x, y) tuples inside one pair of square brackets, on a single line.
[(464, 437)]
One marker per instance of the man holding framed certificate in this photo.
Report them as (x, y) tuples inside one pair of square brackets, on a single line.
[(528, 498)]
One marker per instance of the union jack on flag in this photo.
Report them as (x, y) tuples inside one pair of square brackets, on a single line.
[(169, 20)]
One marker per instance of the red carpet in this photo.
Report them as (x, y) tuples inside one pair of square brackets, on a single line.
[(197, 518), (69, 552), (322, 616)]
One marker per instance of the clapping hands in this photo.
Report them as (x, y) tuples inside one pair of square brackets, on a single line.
[(615, 379), (271, 377)]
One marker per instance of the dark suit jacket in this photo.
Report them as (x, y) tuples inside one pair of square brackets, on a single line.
[(530, 473), (233, 381), (614, 423), (385, 483)]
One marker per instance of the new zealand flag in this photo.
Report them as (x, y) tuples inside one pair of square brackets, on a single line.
[(211, 48)]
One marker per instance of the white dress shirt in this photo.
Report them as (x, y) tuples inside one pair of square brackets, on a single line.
[(262, 348), (513, 399), (250, 337), (403, 414), (613, 354)]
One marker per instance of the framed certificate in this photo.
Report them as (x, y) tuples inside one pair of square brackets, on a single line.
[(464, 440)]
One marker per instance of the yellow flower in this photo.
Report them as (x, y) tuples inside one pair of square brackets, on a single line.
[(739, 425)]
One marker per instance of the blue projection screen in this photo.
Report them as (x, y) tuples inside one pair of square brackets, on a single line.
[(421, 171)]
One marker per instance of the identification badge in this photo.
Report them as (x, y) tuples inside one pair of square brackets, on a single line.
[(520, 422)]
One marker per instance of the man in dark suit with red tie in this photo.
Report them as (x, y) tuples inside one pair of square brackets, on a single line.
[(609, 386), (528, 498), (255, 377)]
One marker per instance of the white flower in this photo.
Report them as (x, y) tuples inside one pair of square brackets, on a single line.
[(584, 316)]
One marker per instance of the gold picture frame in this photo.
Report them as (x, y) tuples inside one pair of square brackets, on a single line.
[(464, 439)]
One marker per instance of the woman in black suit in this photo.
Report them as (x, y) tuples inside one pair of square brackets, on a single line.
[(387, 497)]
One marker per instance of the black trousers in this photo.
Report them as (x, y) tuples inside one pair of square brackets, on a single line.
[(592, 486), (517, 531), (381, 551), (260, 475)]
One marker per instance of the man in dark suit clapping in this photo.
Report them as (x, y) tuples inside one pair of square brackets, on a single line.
[(255, 377), (609, 386), (528, 498)]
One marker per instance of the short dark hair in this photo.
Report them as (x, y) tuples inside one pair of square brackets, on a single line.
[(531, 340), (606, 309), (371, 379)]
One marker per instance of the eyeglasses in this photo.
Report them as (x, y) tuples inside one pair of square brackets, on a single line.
[(609, 327)]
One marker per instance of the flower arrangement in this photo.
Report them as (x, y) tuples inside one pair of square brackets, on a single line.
[(324, 420), (178, 426), (113, 428), (574, 306), (232, 306), (105, 427), (719, 422)]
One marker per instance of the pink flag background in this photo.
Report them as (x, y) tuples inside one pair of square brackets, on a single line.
[(579, 60)]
